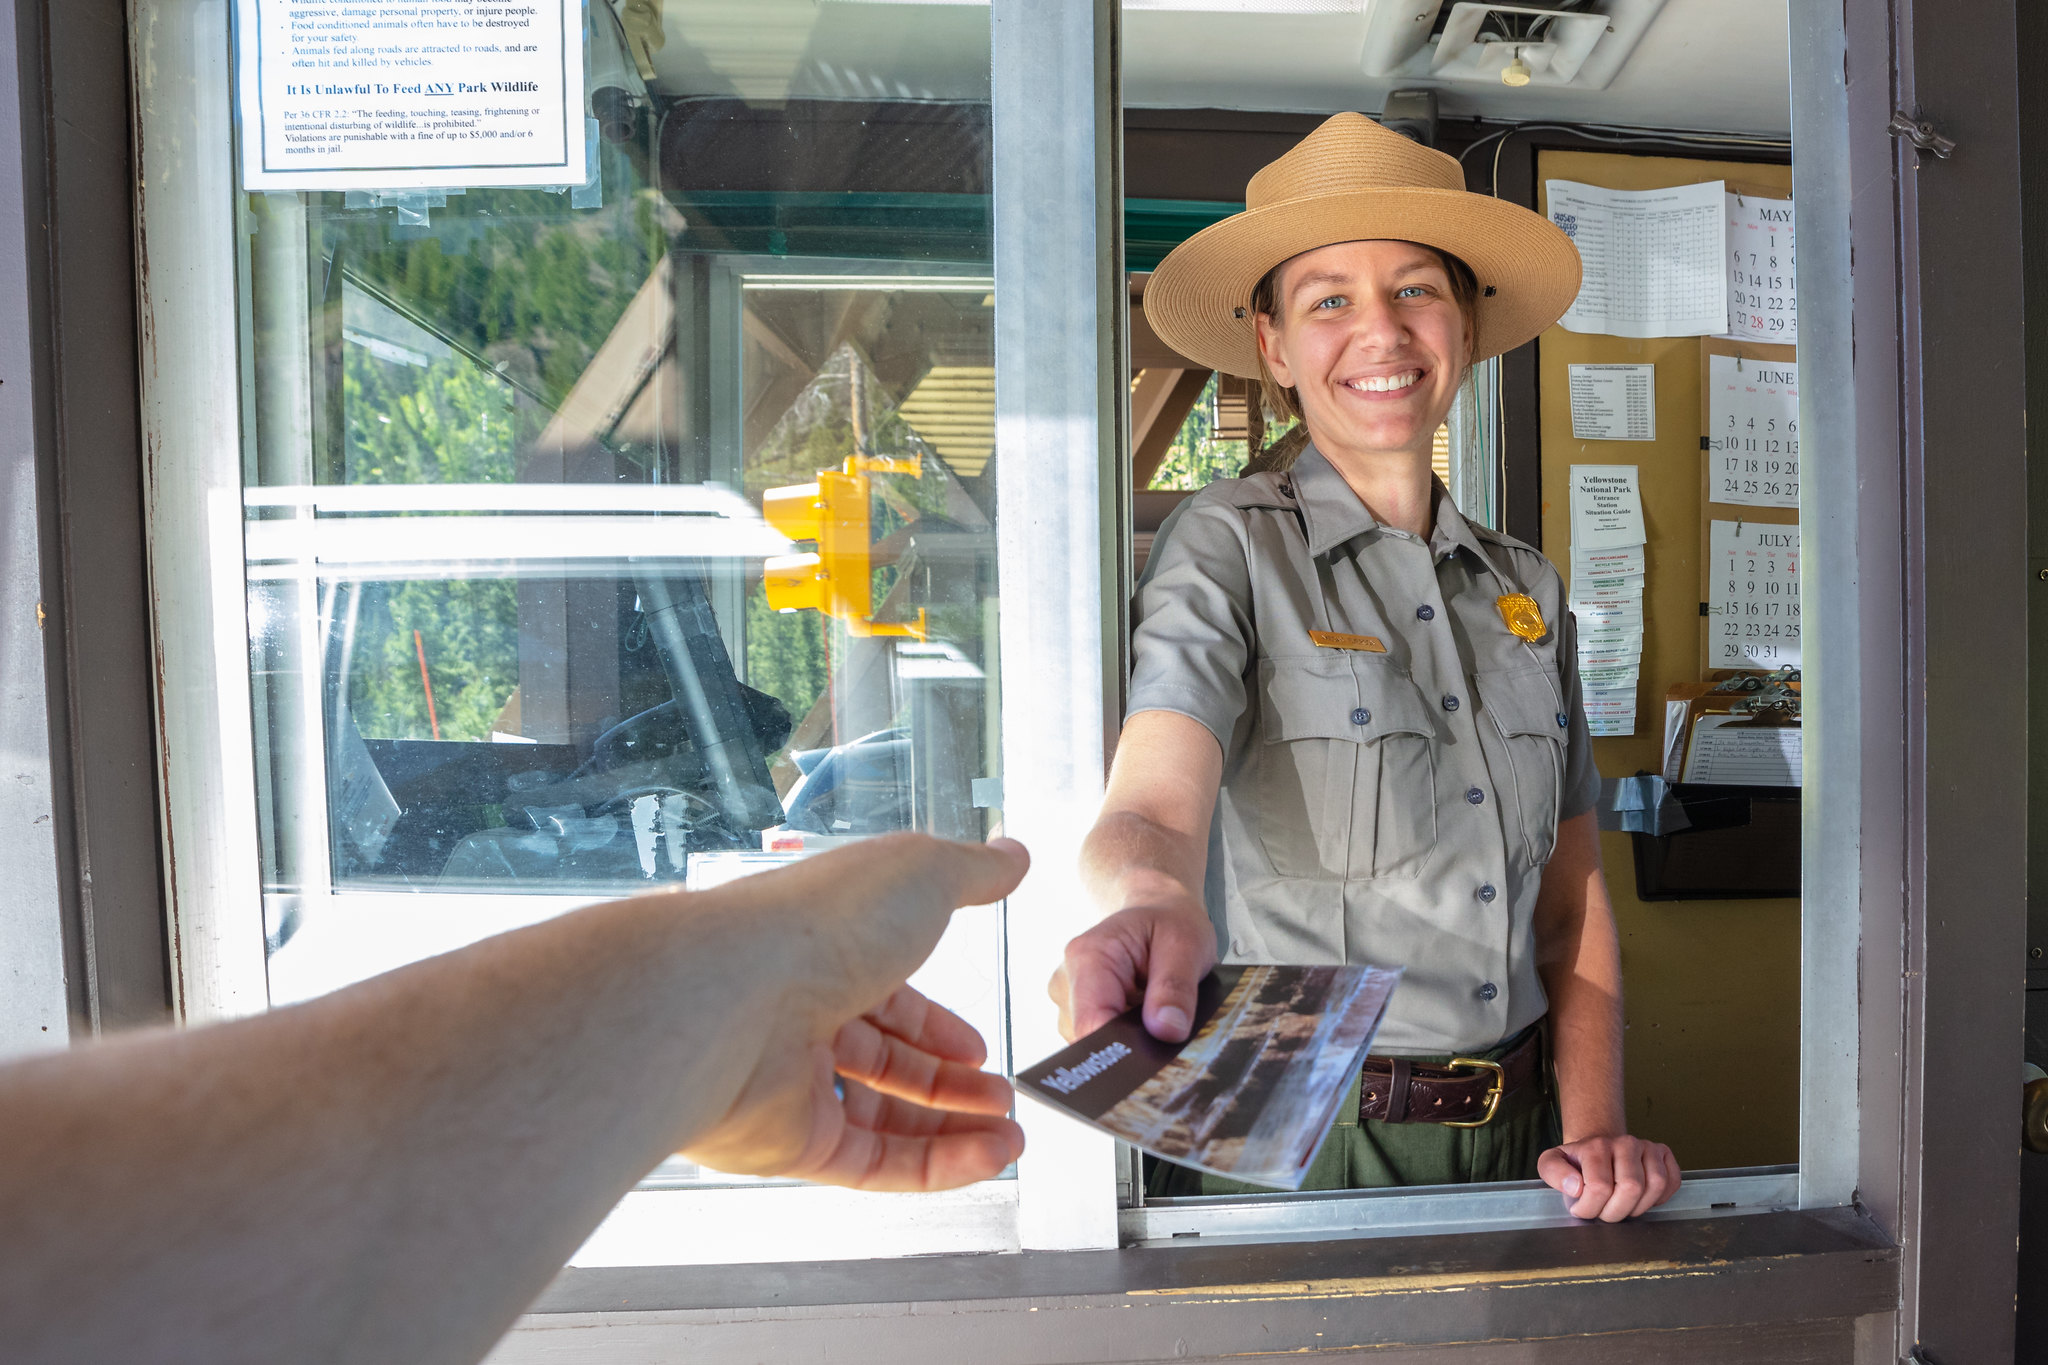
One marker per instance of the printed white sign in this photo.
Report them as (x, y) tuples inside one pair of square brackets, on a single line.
[(1607, 510), (1761, 306), (1607, 592), (407, 94), (1614, 402), (1753, 426), (1655, 260), (1753, 598)]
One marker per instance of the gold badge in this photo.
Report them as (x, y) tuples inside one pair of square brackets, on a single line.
[(1523, 616), (1330, 639)]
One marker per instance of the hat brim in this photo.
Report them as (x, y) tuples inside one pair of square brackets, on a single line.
[(1199, 299)]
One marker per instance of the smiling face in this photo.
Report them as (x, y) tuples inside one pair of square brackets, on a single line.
[(1371, 337)]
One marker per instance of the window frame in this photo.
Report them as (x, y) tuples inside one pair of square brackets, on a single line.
[(1884, 1052)]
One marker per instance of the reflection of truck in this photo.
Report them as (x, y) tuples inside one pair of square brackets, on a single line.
[(626, 802)]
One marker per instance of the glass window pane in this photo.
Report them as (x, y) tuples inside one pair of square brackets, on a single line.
[(639, 531)]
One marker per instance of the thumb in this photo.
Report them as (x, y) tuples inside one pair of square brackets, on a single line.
[(1557, 1170), (1177, 961), (871, 912)]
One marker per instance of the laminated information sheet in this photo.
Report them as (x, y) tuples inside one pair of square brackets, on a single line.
[(1613, 402), (1761, 306), (401, 94), (1656, 262), (1753, 597), (1753, 426)]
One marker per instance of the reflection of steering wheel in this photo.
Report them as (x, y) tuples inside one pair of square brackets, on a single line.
[(696, 811)]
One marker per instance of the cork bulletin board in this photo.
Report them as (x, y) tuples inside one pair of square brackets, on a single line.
[(1712, 986)]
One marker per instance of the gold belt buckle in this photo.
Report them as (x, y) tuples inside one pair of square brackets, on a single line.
[(1500, 1083)]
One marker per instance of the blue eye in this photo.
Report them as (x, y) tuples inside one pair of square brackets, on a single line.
[(1412, 291), (1334, 301)]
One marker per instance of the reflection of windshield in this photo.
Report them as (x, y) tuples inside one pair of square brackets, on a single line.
[(531, 682), (601, 529)]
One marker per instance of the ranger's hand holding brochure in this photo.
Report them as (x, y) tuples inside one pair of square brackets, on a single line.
[(1253, 1091)]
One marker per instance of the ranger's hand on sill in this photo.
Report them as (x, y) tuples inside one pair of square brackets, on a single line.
[(1154, 953), (1610, 1178)]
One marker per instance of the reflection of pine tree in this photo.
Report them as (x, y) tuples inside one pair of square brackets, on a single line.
[(785, 653), (448, 422), (538, 288), (537, 291), (469, 629)]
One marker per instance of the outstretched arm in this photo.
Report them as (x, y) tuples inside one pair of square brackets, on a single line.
[(391, 1172), (1143, 863)]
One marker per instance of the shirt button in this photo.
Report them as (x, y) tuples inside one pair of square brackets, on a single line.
[(1361, 717), (1487, 893), (1425, 612), (1475, 796), (1450, 702), (1563, 720), (1488, 991)]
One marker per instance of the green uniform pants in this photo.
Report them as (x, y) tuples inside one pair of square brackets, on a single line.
[(1374, 1155)]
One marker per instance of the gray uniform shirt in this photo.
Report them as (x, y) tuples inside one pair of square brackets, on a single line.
[(1393, 807)]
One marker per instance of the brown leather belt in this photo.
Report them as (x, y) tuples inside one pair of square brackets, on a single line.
[(1466, 1093)]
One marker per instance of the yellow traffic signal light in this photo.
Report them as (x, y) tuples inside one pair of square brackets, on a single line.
[(838, 579)]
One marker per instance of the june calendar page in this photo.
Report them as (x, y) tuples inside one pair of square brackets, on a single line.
[(1752, 431)]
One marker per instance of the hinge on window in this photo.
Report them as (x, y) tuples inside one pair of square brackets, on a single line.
[(1921, 134)]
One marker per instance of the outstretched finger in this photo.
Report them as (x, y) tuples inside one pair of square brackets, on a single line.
[(914, 1017), (889, 1144), (896, 1067)]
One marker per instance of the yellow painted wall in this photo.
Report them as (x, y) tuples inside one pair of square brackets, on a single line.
[(1712, 986)]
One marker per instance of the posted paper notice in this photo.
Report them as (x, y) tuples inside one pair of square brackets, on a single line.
[(398, 94), (1614, 402), (1656, 261), (1608, 563), (1607, 507), (1753, 432)]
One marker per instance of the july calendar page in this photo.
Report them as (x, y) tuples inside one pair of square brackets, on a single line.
[(1753, 597)]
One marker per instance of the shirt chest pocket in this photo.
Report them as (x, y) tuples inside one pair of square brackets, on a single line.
[(1527, 713), (1346, 770)]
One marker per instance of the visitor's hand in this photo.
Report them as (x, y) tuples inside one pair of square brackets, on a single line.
[(1610, 1178), (862, 1081), (1155, 953)]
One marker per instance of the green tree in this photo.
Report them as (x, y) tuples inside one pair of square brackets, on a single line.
[(1196, 457)]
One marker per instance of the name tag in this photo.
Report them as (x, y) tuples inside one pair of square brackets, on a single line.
[(1330, 639)]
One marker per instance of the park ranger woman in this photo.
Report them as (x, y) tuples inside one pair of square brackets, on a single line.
[(1373, 701)]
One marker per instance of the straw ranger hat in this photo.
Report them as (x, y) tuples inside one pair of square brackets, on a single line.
[(1352, 180)]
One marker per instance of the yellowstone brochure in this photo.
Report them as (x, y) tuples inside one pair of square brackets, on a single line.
[(1251, 1094)]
